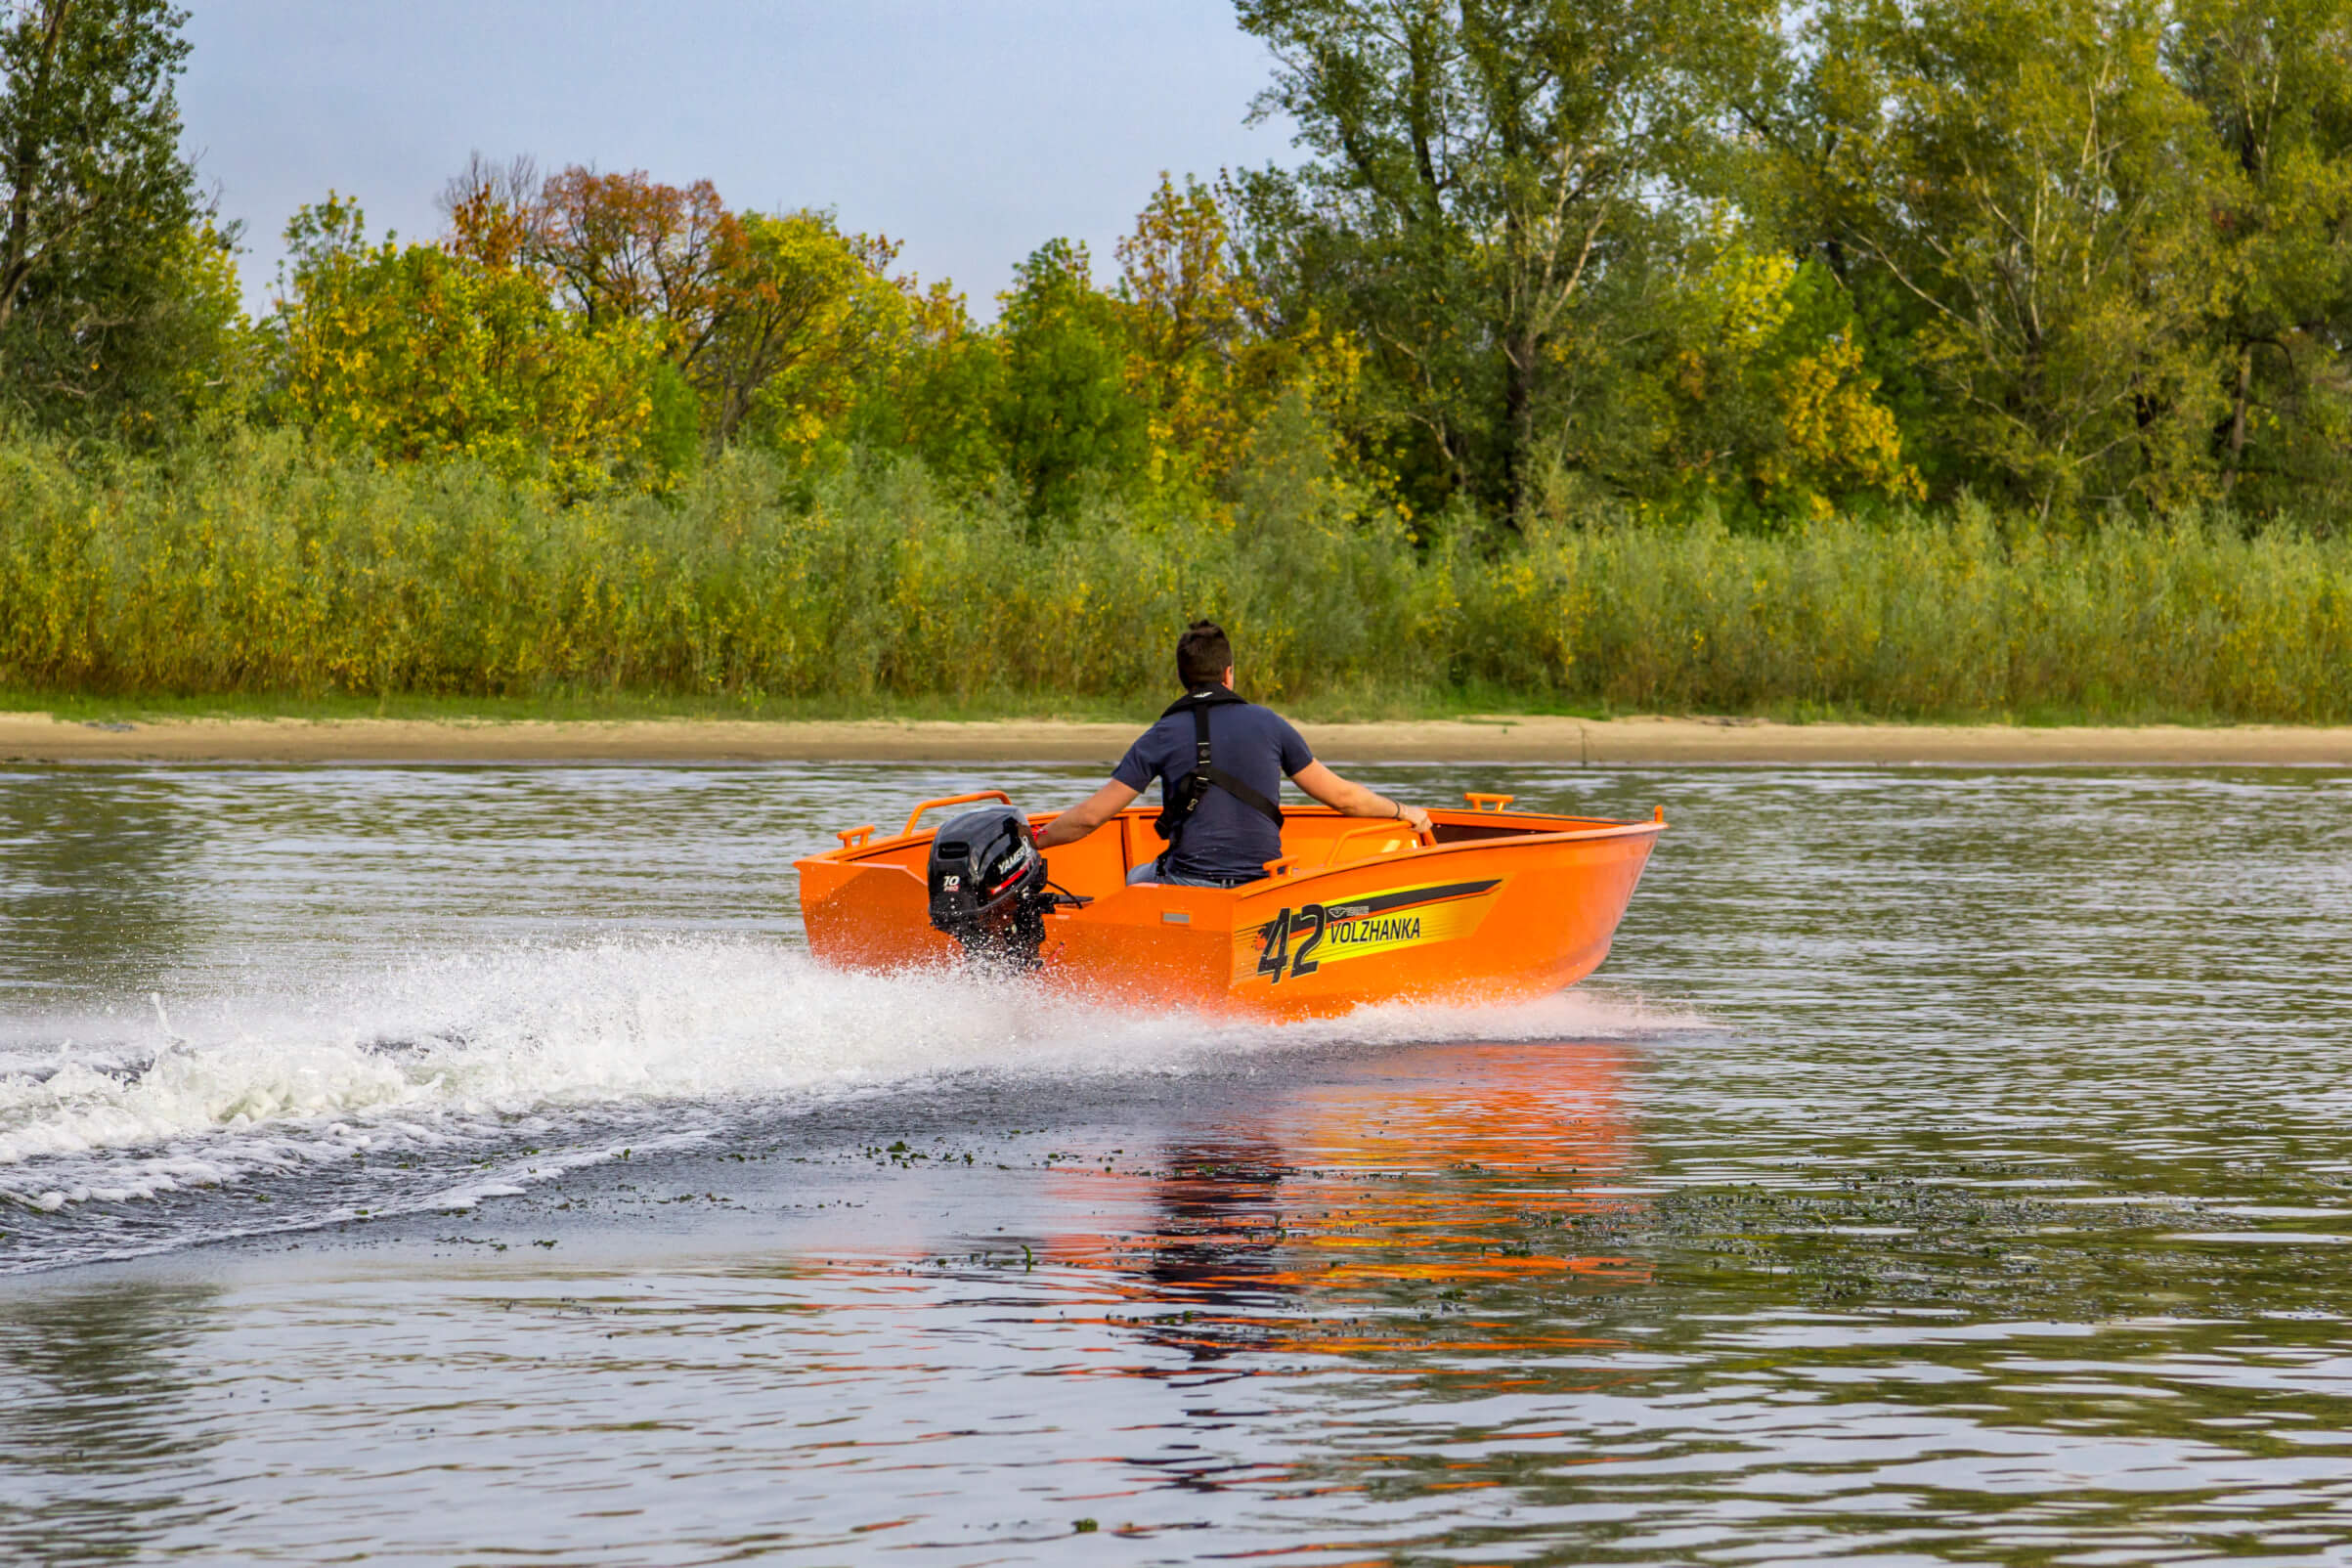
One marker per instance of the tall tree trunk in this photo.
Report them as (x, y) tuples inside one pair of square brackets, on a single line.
[(2238, 406), (1518, 422), (15, 247)]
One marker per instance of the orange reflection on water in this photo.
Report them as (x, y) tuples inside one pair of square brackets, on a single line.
[(1428, 1166)]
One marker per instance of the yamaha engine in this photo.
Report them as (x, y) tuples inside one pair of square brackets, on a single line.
[(987, 887)]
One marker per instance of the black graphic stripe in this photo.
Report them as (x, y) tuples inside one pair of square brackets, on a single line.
[(1403, 899), (1409, 898)]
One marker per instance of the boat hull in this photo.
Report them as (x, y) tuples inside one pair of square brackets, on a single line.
[(1501, 907)]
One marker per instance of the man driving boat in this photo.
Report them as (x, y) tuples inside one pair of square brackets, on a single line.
[(1221, 763)]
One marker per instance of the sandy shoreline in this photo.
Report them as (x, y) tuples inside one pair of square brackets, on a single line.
[(40, 738)]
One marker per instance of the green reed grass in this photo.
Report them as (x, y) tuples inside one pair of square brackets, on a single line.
[(261, 568)]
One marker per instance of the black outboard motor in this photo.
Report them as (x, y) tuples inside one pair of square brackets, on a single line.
[(987, 885)]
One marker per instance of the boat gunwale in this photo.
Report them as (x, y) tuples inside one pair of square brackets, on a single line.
[(1602, 828), (1606, 829)]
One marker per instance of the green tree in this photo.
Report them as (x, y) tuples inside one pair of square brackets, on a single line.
[(2040, 192), (803, 314), (1738, 376), (1065, 413), (2274, 79), (1190, 318), (1478, 164), (1206, 355), (771, 321), (194, 359), (936, 399), (112, 278), (413, 353)]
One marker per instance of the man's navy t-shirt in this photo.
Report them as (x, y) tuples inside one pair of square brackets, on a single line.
[(1255, 745)]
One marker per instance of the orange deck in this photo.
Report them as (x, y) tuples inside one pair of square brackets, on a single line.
[(1492, 906)]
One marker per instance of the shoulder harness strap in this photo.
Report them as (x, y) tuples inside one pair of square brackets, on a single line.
[(1206, 774)]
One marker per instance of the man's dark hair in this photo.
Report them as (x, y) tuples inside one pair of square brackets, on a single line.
[(1202, 655)]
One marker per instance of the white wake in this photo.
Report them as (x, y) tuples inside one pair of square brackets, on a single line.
[(447, 1050)]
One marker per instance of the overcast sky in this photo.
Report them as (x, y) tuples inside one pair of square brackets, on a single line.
[(973, 131)]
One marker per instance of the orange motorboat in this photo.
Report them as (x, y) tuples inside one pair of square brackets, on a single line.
[(1489, 905)]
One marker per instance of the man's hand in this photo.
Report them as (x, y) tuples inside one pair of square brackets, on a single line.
[(1414, 815)]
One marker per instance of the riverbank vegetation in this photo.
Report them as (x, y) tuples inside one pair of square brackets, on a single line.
[(1934, 361), (262, 567)]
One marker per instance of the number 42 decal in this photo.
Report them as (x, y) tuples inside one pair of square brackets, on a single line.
[(1308, 926)]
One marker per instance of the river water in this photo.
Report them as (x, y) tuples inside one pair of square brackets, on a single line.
[(468, 1165)]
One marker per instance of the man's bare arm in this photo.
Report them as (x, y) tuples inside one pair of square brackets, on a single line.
[(1354, 798), (1087, 815)]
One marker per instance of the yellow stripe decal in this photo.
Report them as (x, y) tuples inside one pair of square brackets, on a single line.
[(1300, 940)]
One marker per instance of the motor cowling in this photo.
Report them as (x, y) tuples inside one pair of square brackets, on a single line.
[(988, 887)]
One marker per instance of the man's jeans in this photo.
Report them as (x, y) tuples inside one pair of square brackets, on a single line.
[(1148, 872)]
